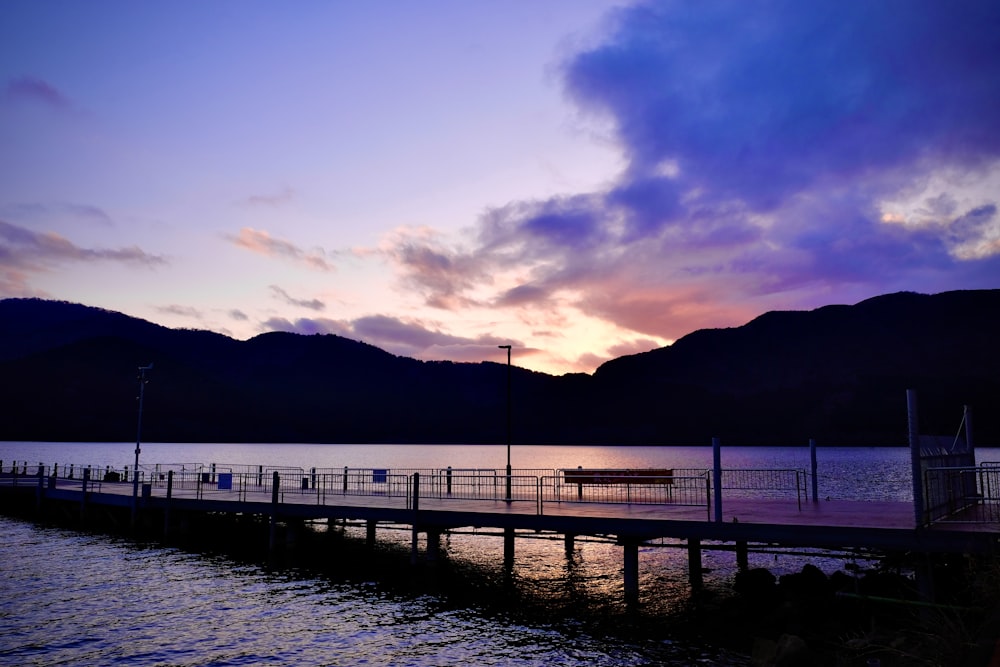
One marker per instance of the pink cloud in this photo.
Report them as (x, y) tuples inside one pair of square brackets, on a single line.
[(263, 243)]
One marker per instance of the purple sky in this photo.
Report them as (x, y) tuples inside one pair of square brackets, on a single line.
[(580, 179)]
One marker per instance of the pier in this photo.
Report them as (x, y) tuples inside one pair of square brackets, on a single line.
[(732, 509)]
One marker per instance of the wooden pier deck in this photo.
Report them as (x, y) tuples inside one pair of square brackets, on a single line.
[(536, 504)]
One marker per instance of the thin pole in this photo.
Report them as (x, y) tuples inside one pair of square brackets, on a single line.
[(138, 439), (507, 347), (813, 469), (971, 446), (916, 469), (717, 476)]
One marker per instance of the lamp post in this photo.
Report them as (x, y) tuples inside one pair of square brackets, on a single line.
[(507, 347), (138, 438)]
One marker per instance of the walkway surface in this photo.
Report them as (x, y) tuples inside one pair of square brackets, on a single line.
[(823, 523)]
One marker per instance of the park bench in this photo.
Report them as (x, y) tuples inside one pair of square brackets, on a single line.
[(615, 476), (619, 476)]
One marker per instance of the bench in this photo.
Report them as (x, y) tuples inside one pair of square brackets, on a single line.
[(611, 476), (619, 476)]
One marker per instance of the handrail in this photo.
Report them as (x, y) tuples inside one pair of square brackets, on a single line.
[(972, 492), (765, 479), (653, 486)]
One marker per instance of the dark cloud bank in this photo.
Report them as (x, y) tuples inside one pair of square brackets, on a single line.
[(762, 142)]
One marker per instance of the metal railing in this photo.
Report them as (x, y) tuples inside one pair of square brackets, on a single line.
[(678, 490), (684, 487), (767, 482), (962, 494)]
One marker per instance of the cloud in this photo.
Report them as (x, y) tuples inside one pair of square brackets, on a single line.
[(768, 147), (182, 311), (263, 243), (33, 249), (90, 212), (442, 274), (35, 90), (307, 326), (311, 304), (758, 101), (42, 212), (25, 253), (409, 338)]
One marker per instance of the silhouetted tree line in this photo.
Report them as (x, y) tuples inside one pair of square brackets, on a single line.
[(838, 374)]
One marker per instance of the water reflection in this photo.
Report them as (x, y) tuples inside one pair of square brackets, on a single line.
[(88, 599)]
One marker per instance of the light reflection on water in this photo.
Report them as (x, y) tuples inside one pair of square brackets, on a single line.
[(80, 599), (83, 599)]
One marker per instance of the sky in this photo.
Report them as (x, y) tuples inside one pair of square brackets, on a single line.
[(579, 179)]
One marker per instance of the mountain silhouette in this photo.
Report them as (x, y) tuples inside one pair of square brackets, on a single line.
[(838, 374)]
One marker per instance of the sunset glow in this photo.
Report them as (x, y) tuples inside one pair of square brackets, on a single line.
[(580, 179)]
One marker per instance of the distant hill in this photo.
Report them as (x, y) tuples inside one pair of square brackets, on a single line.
[(837, 374)]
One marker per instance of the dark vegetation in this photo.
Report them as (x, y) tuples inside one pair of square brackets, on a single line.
[(838, 374)]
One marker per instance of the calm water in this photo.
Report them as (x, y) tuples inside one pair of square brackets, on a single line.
[(73, 598)]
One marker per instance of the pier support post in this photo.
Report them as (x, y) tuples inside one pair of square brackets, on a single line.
[(694, 564), (508, 549), (83, 495), (433, 545), (742, 556), (273, 533), (332, 532), (570, 543), (415, 504), (631, 570), (294, 529), (40, 489), (370, 532), (414, 545), (166, 510)]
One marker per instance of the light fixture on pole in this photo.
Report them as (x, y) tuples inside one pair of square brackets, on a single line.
[(138, 439), (507, 347)]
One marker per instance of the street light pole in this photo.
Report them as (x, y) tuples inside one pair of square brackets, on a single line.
[(507, 347), (138, 439)]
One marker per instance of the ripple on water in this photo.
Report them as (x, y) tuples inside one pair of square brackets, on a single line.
[(83, 599)]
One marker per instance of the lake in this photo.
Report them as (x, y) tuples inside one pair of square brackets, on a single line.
[(79, 598)]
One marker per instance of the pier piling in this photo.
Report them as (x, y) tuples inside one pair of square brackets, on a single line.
[(433, 546), (742, 556), (694, 564), (166, 510), (631, 570), (273, 533), (508, 549)]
